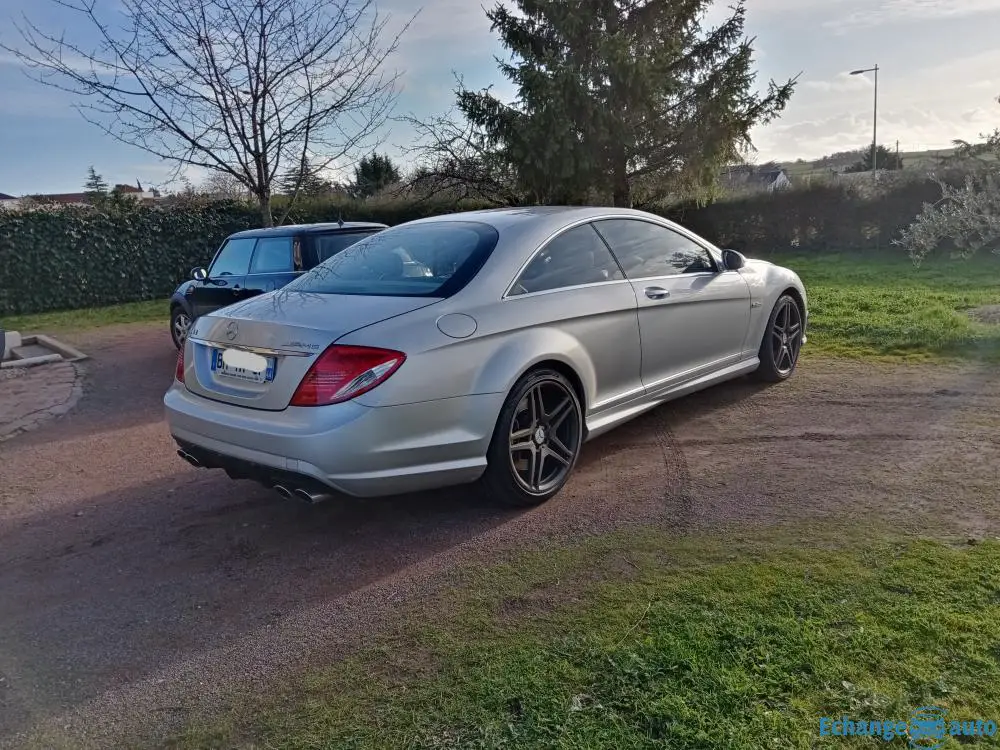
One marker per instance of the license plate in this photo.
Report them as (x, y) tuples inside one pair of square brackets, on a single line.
[(240, 365)]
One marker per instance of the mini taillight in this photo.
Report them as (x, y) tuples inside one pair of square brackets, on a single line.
[(345, 372), (179, 370)]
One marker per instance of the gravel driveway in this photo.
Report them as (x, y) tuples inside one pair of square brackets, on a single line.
[(134, 587)]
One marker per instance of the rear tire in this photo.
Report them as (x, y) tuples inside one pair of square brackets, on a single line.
[(536, 441), (782, 341)]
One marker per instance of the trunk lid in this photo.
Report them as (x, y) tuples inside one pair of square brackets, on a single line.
[(255, 353)]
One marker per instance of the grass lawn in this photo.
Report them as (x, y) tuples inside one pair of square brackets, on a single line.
[(884, 306), (700, 644), (76, 320)]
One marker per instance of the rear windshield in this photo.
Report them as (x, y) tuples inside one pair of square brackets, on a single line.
[(435, 259), (328, 245)]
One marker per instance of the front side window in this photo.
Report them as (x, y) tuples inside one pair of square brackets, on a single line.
[(234, 258), (433, 259), (577, 256), (645, 249), (273, 255)]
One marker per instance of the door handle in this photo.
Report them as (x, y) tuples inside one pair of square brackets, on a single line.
[(657, 292)]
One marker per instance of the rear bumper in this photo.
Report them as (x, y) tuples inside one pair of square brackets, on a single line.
[(348, 448)]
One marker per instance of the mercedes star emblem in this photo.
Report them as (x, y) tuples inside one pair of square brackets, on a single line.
[(232, 330)]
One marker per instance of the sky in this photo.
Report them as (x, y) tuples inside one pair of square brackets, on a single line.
[(938, 80)]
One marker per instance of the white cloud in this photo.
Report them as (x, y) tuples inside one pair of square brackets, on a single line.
[(895, 11), (842, 82)]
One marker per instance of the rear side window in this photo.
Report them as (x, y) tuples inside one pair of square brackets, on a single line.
[(328, 245), (273, 255), (433, 259), (577, 256), (234, 258)]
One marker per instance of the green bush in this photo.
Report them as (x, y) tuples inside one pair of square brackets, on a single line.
[(53, 259)]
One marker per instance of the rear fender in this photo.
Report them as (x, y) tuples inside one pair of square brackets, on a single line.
[(532, 347)]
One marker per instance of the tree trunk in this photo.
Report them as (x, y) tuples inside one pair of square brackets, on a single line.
[(622, 190), (265, 210), (622, 195)]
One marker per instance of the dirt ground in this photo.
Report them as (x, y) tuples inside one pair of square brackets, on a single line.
[(134, 587)]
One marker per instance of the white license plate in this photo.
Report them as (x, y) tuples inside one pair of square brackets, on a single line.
[(241, 365)]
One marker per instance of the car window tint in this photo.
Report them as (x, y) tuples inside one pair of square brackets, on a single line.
[(234, 258), (427, 259), (328, 245), (273, 255), (645, 249), (577, 256)]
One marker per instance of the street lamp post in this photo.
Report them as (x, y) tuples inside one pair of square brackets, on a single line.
[(875, 118)]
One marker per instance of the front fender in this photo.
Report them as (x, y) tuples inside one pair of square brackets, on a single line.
[(767, 283)]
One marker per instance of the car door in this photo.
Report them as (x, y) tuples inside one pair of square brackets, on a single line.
[(693, 315), (276, 261), (574, 286), (226, 276)]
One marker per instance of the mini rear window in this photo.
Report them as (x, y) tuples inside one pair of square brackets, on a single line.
[(433, 259), (328, 245)]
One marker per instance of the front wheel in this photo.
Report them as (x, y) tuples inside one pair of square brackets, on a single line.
[(180, 324), (536, 441), (782, 342)]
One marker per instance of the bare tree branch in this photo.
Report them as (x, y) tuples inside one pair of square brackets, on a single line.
[(238, 87), (455, 161)]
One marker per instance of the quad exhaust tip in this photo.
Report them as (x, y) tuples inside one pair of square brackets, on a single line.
[(300, 493), (189, 458), (311, 497)]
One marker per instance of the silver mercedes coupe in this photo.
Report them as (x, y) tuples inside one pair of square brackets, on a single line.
[(484, 346)]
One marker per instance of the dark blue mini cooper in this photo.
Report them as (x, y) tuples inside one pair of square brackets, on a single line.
[(257, 261)]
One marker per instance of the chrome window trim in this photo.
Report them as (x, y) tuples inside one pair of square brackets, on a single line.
[(565, 289)]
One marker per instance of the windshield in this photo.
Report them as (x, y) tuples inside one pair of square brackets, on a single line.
[(433, 259)]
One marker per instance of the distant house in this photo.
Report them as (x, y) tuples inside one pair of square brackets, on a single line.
[(146, 196), (749, 177)]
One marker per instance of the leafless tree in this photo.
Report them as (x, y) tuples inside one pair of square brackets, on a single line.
[(454, 159), (245, 88), (224, 185)]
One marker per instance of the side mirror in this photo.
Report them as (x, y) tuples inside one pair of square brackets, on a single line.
[(733, 260), (199, 274)]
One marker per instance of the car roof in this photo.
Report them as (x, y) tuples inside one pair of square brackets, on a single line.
[(324, 227), (545, 216)]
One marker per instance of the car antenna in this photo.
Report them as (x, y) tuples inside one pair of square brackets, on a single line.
[(340, 219)]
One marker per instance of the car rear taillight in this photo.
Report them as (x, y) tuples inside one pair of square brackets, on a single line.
[(345, 372), (179, 370)]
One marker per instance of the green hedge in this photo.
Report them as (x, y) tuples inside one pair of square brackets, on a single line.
[(822, 217), (79, 257), (53, 259)]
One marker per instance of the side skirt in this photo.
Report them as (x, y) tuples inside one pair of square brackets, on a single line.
[(632, 409)]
